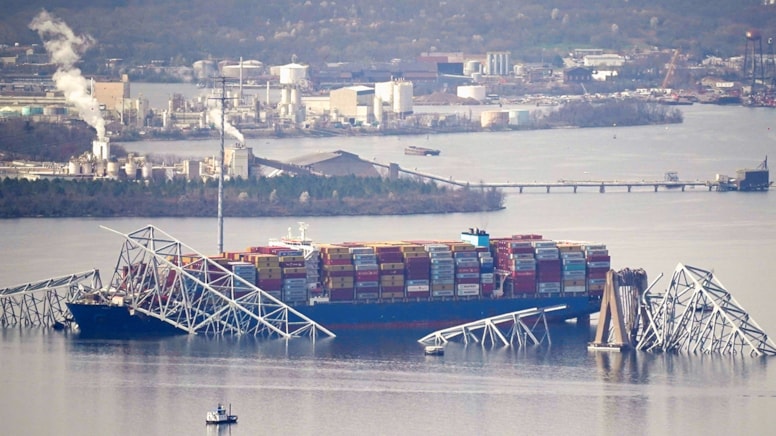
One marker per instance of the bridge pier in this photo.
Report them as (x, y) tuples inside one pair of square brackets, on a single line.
[(682, 188), (602, 189), (655, 188), (629, 188), (575, 189), (548, 189), (521, 189)]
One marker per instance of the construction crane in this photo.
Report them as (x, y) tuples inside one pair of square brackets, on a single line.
[(670, 72)]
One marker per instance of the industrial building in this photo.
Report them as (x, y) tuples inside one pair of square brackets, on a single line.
[(336, 163)]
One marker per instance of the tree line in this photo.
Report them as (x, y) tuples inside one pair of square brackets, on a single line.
[(275, 196)]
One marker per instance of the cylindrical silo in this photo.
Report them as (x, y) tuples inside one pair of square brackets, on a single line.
[(113, 170), (130, 168)]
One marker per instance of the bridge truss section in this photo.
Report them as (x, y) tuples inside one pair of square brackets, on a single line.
[(42, 304), (158, 276), (525, 327), (698, 315)]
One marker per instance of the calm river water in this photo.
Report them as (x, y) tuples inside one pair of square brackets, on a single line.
[(58, 383)]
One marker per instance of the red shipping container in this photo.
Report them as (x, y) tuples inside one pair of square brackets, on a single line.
[(390, 257), (467, 269), (487, 288), (327, 261), (339, 273), (366, 276), (341, 294)]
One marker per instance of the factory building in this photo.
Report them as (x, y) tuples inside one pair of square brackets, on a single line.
[(238, 161), (111, 95), (354, 103), (336, 163)]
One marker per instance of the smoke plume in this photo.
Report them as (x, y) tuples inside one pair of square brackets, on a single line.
[(215, 118), (65, 49)]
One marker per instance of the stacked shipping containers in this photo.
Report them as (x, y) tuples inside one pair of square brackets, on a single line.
[(598, 264), (292, 264), (487, 276), (548, 272), (367, 273), (420, 269), (417, 271), (338, 272), (391, 263), (574, 268), (467, 270), (442, 273), (516, 257)]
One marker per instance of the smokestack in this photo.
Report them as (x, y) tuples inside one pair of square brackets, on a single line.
[(65, 48)]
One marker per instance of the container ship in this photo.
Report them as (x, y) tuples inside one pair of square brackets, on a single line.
[(400, 284)]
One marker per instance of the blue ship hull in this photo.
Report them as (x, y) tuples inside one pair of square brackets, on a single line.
[(107, 320), (116, 321)]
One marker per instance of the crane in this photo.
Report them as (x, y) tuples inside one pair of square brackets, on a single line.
[(670, 71)]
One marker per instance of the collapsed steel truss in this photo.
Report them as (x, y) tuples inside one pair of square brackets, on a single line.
[(161, 277), (491, 334), (42, 304), (698, 315)]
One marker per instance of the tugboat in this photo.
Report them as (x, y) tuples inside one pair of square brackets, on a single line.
[(220, 416), (434, 350)]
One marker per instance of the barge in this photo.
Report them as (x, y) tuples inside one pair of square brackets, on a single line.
[(421, 151)]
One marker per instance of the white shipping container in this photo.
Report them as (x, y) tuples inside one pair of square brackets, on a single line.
[(418, 288), (574, 289)]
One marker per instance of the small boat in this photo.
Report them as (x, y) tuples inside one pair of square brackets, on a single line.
[(421, 151), (220, 416), (434, 350)]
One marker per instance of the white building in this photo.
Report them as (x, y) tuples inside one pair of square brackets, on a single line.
[(604, 60)]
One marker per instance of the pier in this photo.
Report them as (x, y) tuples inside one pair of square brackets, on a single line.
[(574, 186)]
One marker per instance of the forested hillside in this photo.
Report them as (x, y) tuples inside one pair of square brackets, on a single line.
[(182, 31)]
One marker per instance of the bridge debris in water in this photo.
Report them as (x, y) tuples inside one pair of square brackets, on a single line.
[(43, 303), (491, 334), (696, 314)]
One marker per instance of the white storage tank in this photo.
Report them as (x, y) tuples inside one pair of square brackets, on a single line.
[(130, 168), (519, 117), (113, 170), (384, 90), (489, 119), (73, 167), (378, 110), (477, 92), (99, 168), (147, 171), (402, 97), (86, 168), (471, 67), (292, 74)]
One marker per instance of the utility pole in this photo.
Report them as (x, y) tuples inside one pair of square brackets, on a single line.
[(221, 168)]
